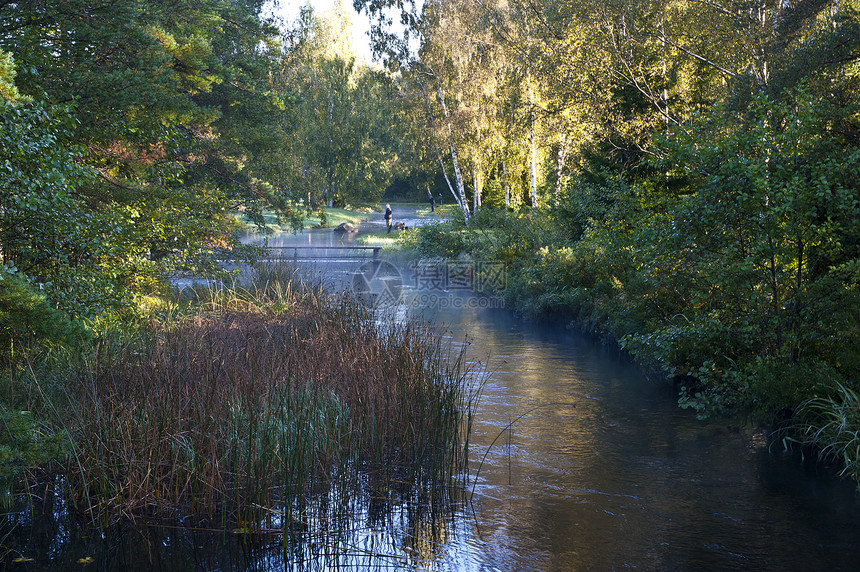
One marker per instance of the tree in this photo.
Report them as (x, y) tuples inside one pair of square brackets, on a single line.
[(761, 261), (133, 78), (343, 151), (46, 229)]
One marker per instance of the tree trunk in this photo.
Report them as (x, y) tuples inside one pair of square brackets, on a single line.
[(476, 186), (560, 157), (532, 165), (459, 194), (507, 186), (447, 180), (458, 178), (328, 193), (532, 150)]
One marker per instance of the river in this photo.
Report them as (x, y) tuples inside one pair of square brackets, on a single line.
[(583, 463), (578, 462)]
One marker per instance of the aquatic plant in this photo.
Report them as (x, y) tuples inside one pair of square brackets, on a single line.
[(273, 406), (830, 424)]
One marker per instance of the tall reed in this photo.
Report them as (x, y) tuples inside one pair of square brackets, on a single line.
[(268, 406)]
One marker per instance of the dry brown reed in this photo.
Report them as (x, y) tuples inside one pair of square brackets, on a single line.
[(264, 405)]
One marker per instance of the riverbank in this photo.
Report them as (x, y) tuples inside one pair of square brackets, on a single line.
[(328, 217), (721, 356)]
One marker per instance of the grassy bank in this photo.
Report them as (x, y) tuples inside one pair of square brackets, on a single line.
[(276, 406), (335, 216), (332, 217)]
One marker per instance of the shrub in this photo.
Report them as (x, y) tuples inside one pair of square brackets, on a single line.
[(26, 317)]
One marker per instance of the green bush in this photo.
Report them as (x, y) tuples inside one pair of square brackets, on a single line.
[(26, 317)]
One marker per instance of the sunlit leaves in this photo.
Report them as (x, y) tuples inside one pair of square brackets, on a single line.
[(150, 113)]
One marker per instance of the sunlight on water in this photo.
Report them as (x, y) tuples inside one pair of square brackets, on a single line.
[(578, 462)]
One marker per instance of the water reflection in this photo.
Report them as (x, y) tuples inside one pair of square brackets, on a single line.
[(604, 472), (379, 534), (577, 462)]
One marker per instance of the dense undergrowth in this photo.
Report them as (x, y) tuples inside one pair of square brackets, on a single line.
[(743, 333), (275, 406)]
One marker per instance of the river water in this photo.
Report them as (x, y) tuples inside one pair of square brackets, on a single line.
[(578, 462)]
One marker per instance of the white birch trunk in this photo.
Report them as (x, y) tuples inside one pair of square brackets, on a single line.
[(458, 178), (460, 195), (447, 180), (477, 185), (559, 168), (533, 165), (532, 150), (507, 186)]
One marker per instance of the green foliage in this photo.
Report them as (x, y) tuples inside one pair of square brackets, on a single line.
[(115, 175), (746, 268), (344, 148), (590, 204), (46, 230), (775, 386), (24, 444), (8, 89), (446, 239), (26, 317)]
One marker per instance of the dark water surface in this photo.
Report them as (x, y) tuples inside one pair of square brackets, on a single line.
[(584, 464), (578, 463), (604, 472)]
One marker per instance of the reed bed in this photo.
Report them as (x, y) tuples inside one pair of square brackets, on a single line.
[(273, 406)]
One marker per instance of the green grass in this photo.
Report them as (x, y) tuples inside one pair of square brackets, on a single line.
[(831, 424), (334, 216), (387, 241), (355, 215)]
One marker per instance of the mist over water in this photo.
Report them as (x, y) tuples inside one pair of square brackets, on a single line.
[(577, 462)]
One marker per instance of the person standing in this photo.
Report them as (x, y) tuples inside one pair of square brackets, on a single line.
[(388, 214), (432, 201)]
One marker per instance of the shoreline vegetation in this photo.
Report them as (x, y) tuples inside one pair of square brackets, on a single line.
[(276, 406), (727, 359)]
